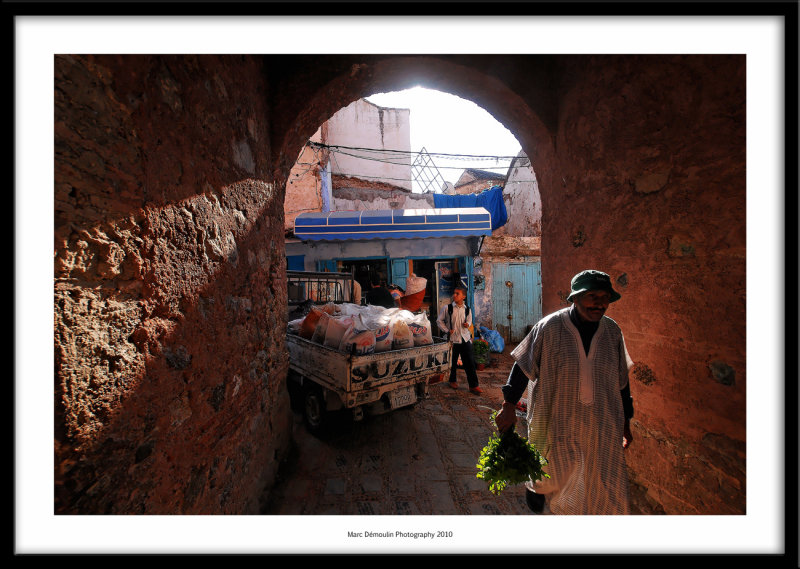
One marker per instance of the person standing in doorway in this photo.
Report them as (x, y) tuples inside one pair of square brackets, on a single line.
[(397, 293), (456, 318), (579, 402), (378, 294)]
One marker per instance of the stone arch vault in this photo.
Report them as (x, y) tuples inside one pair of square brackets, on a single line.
[(169, 293)]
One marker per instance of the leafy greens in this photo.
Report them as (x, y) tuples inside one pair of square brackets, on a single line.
[(509, 459)]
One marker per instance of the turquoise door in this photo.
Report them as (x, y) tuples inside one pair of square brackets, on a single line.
[(399, 272), (516, 298)]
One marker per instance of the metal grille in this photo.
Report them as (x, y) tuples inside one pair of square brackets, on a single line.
[(426, 174), (319, 287)]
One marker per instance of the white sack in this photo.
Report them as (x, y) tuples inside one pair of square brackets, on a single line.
[(337, 327), (322, 326), (384, 336), (414, 284), (358, 339), (421, 330), (403, 338)]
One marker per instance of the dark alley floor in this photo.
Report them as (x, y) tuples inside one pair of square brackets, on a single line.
[(418, 460)]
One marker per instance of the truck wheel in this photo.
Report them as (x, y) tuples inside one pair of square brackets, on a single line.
[(314, 411)]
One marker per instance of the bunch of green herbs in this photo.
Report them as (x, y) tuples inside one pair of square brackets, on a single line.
[(509, 459)]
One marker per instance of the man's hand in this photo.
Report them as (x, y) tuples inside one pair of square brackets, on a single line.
[(627, 435), (465, 325), (506, 418)]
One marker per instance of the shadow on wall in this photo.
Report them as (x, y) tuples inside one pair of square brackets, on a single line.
[(170, 290), (167, 392)]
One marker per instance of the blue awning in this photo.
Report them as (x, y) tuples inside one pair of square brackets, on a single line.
[(491, 200), (394, 224)]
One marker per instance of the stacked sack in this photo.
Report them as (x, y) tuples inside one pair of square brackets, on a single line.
[(415, 293), (362, 330)]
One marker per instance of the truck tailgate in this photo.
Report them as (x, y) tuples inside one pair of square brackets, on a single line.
[(349, 375)]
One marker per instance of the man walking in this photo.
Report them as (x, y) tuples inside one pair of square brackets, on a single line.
[(456, 319), (579, 403)]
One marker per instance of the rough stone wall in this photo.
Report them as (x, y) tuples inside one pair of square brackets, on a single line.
[(476, 186), (522, 200), (358, 195), (304, 186), (650, 187), (169, 286)]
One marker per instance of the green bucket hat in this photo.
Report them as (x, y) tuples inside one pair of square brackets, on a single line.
[(592, 280)]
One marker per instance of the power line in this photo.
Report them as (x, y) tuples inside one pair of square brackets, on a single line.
[(412, 153), (422, 166), (501, 167), (422, 154)]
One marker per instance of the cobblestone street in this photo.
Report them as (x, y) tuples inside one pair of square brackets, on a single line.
[(418, 460)]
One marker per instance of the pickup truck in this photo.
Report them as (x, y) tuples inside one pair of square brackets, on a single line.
[(327, 380)]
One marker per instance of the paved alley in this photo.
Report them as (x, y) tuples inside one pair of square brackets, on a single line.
[(419, 460)]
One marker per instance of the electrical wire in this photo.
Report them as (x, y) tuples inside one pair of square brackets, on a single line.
[(414, 165), (391, 157), (410, 152), (392, 162)]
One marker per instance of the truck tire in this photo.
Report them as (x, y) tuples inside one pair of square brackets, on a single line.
[(314, 412)]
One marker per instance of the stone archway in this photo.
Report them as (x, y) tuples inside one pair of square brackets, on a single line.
[(645, 183), (459, 76), (169, 283)]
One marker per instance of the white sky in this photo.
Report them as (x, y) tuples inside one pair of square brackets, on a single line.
[(444, 123)]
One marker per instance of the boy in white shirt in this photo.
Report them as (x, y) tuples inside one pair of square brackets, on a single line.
[(456, 318)]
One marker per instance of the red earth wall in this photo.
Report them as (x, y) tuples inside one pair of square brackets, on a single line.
[(651, 189), (169, 269)]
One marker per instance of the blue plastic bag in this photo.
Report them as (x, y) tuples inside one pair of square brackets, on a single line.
[(495, 340)]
